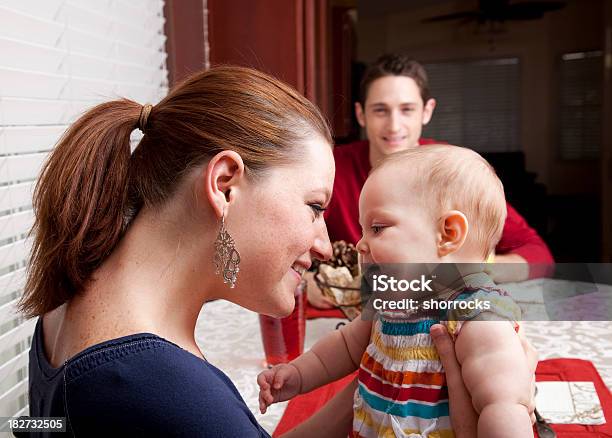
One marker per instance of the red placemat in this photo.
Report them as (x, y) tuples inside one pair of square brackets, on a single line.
[(303, 406), (577, 370), (312, 312)]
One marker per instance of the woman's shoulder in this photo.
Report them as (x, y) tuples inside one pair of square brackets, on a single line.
[(147, 381)]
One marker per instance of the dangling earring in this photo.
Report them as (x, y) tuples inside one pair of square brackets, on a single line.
[(226, 258)]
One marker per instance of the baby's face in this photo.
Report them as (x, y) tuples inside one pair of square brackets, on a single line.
[(396, 228)]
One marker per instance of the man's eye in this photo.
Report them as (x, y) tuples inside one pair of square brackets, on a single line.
[(379, 111)]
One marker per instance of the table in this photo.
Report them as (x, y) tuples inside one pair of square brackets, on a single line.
[(230, 339)]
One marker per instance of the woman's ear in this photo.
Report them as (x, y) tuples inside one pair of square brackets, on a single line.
[(224, 173), (452, 232)]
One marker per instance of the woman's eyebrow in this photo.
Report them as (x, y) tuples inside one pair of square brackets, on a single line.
[(322, 191)]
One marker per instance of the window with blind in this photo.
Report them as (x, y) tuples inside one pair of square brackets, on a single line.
[(478, 104), (581, 105), (59, 57)]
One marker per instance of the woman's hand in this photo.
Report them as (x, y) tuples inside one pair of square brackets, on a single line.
[(463, 416), (280, 383), (315, 295)]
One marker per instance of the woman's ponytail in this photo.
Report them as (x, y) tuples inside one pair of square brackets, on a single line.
[(80, 204)]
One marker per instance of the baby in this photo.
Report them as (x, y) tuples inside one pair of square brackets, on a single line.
[(435, 204)]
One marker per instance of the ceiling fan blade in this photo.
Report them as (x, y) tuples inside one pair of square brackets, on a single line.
[(470, 15), (531, 10)]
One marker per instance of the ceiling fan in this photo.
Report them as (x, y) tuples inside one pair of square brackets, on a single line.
[(491, 11)]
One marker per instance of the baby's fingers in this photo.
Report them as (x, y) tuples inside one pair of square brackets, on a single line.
[(282, 375), (265, 378), (263, 405)]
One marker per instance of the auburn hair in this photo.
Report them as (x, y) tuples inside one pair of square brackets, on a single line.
[(91, 186)]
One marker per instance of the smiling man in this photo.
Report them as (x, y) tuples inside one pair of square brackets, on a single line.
[(394, 106)]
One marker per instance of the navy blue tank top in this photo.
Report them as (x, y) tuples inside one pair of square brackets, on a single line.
[(137, 385)]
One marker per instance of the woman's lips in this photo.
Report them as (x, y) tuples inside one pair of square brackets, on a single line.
[(297, 274)]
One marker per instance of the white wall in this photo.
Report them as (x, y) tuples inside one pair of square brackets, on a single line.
[(58, 58)]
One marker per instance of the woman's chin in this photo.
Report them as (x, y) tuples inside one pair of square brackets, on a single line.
[(286, 302)]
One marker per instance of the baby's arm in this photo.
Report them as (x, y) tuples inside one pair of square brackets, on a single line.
[(332, 357), (497, 376), (335, 355)]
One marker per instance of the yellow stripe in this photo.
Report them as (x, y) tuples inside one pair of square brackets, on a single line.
[(364, 417), (405, 353)]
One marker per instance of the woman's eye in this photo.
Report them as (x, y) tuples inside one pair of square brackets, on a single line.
[(317, 209)]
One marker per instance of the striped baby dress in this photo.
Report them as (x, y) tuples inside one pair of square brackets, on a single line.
[(402, 386)]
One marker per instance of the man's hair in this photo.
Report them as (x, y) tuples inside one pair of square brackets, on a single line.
[(395, 65), (449, 177)]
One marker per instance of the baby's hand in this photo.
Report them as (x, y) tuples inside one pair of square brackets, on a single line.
[(277, 384)]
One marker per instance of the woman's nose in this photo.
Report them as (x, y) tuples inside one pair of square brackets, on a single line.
[(322, 247)]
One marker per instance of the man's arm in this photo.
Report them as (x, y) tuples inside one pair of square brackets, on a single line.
[(520, 244)]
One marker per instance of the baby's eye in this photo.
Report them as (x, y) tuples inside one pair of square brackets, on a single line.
[(376, 228)]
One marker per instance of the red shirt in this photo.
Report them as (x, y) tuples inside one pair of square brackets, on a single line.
[(342, 216)]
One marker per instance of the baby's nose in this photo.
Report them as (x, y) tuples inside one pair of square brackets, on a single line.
[(362, 246)]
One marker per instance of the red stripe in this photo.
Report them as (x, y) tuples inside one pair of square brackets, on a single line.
[(430, 395), (399, 378)]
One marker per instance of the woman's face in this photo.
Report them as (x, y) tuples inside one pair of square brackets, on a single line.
[(394, 114), (279, 229)]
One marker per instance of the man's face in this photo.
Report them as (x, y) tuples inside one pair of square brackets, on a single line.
[(394, 114)]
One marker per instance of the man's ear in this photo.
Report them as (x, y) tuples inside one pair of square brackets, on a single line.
[(224, 173), (452, 232), (359, 114), (428, 110)]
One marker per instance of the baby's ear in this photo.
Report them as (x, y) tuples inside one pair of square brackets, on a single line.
[(452, 232)]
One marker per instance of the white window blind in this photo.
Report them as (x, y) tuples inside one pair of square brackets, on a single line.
[(57, 58), (478, 104), (581, 105)]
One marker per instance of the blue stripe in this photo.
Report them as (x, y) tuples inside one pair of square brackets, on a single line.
[(409, 409), (464, 296), (407, 328)]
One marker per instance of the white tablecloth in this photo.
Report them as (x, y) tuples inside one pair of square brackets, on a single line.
[(230, 338)]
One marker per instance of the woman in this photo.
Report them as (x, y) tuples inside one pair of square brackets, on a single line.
[(221, 199)]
